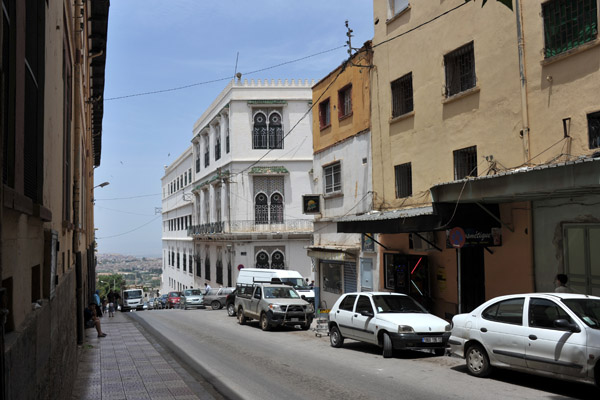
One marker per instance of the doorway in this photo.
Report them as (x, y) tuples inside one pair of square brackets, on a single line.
[(472, 275)]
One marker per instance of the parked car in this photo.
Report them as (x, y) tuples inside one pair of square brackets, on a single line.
[(230, 303), (173, 299), (551, 334), (272, 305), (217, 297), (151, 304), (389, 320), (192, 298)]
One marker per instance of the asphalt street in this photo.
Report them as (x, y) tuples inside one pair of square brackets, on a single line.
[(243, 362)]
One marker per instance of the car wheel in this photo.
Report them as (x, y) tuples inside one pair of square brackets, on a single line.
[(305, 326), (231, 310), (241, 318), (478, 362), (185, 307), (335, 337), (264, 322), (388, 349), (215, 305)]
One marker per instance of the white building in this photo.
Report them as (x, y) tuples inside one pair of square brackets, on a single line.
[(251, 160), (177, 208)]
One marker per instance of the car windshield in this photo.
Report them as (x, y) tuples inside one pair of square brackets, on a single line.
[(588, 310), (192, 292), (174, 294), (387, 303), (132, 294), (280, 293), (297, 283)]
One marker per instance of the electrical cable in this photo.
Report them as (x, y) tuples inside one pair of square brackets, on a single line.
[(221, 79), (133, 230), (124, 212), (133, 197)]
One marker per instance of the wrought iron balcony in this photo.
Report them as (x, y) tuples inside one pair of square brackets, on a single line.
[(234, 227)]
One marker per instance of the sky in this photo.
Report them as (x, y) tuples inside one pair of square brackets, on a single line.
[(161, 45)]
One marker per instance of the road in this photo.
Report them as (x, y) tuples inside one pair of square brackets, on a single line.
[(243, 362)]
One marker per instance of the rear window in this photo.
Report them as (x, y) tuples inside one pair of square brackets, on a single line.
[(192, 292), (507, 311), (348, 303)]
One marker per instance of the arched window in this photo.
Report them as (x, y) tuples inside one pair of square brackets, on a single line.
[(261, 209), (276, 208), (277, 261), (262, 260), (259, 132), (275, 131)]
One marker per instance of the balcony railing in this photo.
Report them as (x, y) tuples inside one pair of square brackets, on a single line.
[(289, 226)]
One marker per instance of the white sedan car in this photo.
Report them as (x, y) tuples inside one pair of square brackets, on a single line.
[(390, 320), (551, 334)]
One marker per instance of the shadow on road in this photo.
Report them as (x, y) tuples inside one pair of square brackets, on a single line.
[(557, 389)]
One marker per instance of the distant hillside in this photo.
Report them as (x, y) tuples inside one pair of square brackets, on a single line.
[(117, 262)]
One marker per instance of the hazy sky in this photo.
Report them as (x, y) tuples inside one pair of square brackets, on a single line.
[(156, 45)]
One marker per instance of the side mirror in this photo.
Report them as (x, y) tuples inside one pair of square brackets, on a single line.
[(367, 314), (564, 324), (303, 297)]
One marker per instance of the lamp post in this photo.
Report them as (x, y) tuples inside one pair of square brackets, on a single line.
[(101, 185), (114, 283)]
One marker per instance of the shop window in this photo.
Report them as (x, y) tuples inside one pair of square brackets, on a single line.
[(332, 277)]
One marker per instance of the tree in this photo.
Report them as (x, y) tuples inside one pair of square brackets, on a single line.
[(110, 282), (507, 3)]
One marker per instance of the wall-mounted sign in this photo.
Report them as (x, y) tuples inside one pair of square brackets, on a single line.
[(311, 204), (240, 267), (474, 237), (367, 242)]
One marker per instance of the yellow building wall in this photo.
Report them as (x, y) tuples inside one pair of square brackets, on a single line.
[(328, 88)]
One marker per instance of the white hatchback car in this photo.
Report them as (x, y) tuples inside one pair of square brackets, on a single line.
[(390, 320), (551, 334)]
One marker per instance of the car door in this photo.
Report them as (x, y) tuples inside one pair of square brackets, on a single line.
[(362, 326), (343, 316), (254, 301), (502, 331), (552, 349)]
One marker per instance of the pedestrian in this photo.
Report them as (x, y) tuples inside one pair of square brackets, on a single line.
[(206, 288), (307, 282), (98, 303), (91, 320), (312, 284), (561, 284)]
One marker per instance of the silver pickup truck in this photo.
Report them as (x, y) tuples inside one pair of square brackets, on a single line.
[(273, 305)]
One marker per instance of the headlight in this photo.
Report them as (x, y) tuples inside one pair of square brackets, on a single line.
[(275, 307), (310, 308), (405, 329), (448, 328)]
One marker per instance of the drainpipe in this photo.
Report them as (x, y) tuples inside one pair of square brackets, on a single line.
[(523, 77)]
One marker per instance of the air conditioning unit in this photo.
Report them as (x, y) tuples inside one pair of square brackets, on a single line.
[(419, 244)]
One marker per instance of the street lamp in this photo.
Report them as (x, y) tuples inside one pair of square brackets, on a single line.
[(114, 283), (101, 185)]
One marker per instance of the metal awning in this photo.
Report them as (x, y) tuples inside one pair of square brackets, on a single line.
[(333, 253), (567, 179), (421, 219)]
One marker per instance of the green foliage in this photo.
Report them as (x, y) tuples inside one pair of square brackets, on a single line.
[(108, 282), (507, 3)]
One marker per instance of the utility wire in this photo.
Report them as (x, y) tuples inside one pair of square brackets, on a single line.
[(133, 230), (222, 79), (132, 197)]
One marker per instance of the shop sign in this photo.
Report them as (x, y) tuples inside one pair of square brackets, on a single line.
[(474, 237), (311, 204)]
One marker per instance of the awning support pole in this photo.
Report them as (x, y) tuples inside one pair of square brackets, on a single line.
[(510, 228), (373, 239), (427, 241), (488, 250)]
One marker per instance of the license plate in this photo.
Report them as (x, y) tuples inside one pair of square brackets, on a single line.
[(295, 319), (434, 339)]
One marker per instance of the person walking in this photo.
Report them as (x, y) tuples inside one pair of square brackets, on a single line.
[(206, 288), (98, 303), (561, 284)]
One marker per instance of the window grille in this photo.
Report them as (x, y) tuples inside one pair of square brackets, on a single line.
[(324, 114), (594, 130), (259, 132), (262, 260), (207, 266), (460, 70), (403, 180), (191, 263), (218, 147), (465, 162), (184, 262), (261, 209), (568, 24), (275, 132), (345, 101), (219, 266), (177, 259), (277, 260), (402, 95), (333, 178), (276, 208)]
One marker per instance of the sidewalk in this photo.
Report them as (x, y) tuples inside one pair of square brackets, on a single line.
[(124, 365)]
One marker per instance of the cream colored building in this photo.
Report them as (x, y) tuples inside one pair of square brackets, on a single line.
[(52, 83), (484, 119)]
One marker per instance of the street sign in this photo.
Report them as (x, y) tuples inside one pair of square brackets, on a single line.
[(457, 237)]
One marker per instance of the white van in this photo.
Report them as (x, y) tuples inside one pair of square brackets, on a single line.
[(250, 275), (132, 299)]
